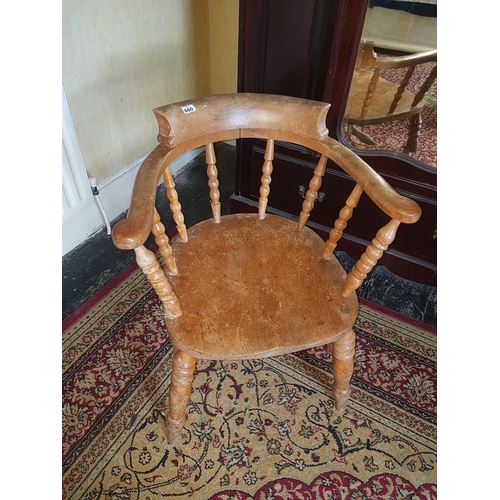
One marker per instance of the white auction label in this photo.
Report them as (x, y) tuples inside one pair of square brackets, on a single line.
[(188, 108)]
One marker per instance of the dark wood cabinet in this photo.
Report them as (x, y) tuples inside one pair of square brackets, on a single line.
[(308, 49)]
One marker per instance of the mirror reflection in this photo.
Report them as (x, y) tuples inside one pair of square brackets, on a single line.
[(392, 102)]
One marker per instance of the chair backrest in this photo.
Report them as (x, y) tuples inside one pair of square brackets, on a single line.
[(367, 58), (190, 124)]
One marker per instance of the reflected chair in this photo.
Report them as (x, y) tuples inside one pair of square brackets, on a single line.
[(252, 285), (373, 99)]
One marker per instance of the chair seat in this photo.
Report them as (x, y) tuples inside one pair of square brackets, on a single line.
[(380, 102), (256, 288)]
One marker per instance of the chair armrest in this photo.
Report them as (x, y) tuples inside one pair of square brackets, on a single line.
[(374, 185), (133, 231), (405, 61)]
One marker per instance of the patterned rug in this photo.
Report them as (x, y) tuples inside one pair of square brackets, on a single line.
[(264, 429), (393, 135)]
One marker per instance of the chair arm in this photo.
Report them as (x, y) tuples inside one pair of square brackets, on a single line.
[(381, 193), (405, 61), (133, 231)]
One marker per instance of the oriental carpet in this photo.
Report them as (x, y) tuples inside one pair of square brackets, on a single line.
[(264, 429)]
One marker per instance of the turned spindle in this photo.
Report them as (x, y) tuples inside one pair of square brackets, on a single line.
[(265, 180), (425, 86), (364, 265), (213, 182), (150, 266), (163, 243), (175, 206), (401, 89), (369, 94), (340, 224), (312, 192)]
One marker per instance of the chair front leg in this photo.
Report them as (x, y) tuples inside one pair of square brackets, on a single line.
[(342, 368), (183, 366)]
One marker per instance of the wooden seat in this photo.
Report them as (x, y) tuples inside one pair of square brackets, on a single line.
[(373, 99), (256, 273), (246, 286)]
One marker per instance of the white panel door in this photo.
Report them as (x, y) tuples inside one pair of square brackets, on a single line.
[(80, 215)]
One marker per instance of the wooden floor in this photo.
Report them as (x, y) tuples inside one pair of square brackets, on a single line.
[(95, 262)]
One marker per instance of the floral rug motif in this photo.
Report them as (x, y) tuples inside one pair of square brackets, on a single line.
[(264, 429)]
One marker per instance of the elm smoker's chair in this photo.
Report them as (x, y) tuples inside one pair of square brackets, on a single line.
[(373, 100), (247, 286)]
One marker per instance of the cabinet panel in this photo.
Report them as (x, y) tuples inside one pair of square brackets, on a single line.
[(284, 47)]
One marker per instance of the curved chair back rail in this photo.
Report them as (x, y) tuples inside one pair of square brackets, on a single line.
[(280, 118), (230, 112)]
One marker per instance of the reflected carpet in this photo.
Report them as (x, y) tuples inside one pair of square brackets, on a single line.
[(263, 429)]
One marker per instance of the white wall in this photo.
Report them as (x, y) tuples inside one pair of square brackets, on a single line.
[(121, 59)]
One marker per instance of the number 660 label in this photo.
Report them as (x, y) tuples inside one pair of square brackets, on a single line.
[(188, 108)]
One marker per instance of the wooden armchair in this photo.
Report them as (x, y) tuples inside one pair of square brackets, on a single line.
[(246, 286), (373, 100)]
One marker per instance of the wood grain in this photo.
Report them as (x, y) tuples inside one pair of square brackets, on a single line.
[(253, 288)]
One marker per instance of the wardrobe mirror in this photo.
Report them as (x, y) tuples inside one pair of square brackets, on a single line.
[(392, 103)]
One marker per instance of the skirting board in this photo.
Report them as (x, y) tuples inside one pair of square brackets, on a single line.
[(115, 193)]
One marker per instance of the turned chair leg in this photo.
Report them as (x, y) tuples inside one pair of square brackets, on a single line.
[(342, 367), (183, 366), (413, 134)]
